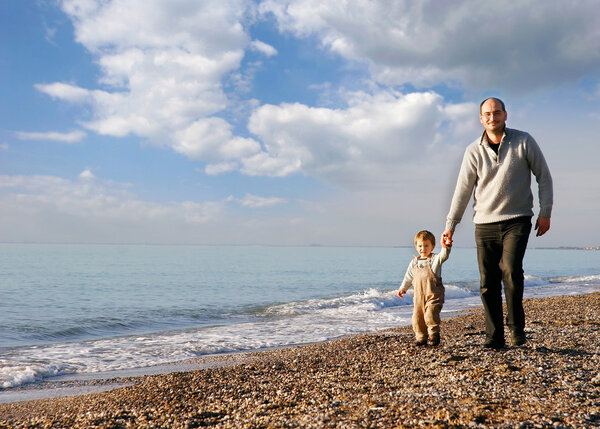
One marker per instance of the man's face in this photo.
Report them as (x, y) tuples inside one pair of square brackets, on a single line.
[(492, 117)]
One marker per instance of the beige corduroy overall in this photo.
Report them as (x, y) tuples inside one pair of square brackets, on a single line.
[(428, 300)]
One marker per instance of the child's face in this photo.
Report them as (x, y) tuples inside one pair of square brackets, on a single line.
[(424, 248)]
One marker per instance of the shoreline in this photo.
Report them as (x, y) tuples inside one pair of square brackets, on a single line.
[(78, 384), (369, 379), (71, 385)]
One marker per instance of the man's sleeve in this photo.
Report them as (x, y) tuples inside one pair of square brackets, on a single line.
[(540, 170), (467, 177)]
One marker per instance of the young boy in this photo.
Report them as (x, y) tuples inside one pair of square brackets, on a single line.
[(425, 273)]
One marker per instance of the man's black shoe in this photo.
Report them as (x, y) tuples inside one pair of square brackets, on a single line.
[(493, 344), (517, 339)]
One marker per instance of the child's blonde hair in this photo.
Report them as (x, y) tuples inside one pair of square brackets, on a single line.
[(425, 235)]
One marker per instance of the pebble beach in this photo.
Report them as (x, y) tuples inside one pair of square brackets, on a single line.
[(377, 379)]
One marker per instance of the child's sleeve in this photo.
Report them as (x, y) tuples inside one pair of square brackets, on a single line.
[(438, 260), (444, 254), (408, 277)]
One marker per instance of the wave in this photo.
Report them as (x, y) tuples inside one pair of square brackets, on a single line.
[(532, 281), (577, 279), (13, 376), (368, 300), (90, 328), (278, 325)]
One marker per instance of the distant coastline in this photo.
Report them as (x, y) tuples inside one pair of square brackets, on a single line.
[(271, 245), (570, 248)]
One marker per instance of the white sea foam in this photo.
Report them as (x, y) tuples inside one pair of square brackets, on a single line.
[(277, 326), (579, 279), (531, 281), (12, 375)]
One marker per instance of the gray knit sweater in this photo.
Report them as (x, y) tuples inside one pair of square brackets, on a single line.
[(502, 182)]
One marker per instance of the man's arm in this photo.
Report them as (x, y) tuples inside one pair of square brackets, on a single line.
[(467, 177), (540, 170)]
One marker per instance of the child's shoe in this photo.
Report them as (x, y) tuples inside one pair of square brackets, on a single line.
[(434, 340), (422, 342)]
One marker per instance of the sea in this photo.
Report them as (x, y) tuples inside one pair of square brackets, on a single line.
[(79, 309)]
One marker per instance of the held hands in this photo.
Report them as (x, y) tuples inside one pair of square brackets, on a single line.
[(542, 225), (447, 238)]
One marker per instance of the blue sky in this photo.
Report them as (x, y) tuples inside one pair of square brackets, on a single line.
[(282, 122)]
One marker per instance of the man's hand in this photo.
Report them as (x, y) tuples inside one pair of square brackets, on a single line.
[(542, 225), (447, 238), (401, 293)]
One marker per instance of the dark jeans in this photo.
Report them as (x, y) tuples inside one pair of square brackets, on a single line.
[(500, 251)]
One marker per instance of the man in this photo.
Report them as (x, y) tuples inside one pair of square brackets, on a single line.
[(498, 167)]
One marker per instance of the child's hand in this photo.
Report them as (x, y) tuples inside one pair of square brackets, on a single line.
[(401, 293)]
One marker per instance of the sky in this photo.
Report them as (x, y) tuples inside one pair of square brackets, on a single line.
[(283, 122)]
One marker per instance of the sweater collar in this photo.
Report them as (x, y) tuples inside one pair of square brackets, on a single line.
[(505, 137)]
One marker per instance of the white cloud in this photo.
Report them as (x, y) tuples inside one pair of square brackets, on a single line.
[(212, 139), (220, 168), (95, 198), (378, 138), (255, 201), (208, 27), (513, 45), (162, 64), (87, 175), (163, 67), (91, 209), (4, 146), (263, 48), (65, 91), (72, 137)]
